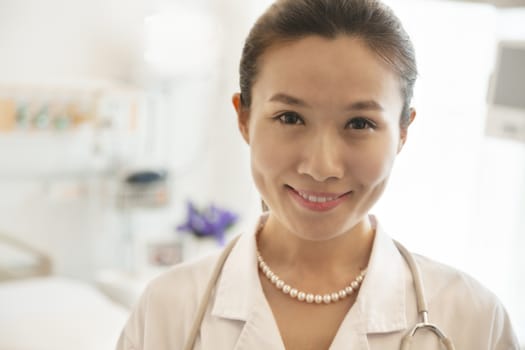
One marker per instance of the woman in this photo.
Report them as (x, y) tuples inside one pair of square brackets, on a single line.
[(324, 105)]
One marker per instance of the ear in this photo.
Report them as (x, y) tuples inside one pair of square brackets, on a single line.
[(404, 130), (243, 117)]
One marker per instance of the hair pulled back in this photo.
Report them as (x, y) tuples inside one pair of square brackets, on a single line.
[(369, 20)]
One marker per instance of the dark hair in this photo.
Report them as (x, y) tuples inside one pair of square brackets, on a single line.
[(370, 20)]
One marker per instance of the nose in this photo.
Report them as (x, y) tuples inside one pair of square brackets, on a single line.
[(322, 158)]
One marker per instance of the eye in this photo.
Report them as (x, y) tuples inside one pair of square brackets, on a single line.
[(360, 124), (290, 118)]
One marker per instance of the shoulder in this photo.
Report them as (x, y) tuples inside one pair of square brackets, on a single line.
[(466, 307), (165, 311), (442, 281), (183, 282)]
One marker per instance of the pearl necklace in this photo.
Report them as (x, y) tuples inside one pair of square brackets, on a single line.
[(309, 297)]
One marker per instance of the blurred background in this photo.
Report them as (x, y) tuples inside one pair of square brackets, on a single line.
[(115, 114)]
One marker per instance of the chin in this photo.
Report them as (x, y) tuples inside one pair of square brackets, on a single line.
[(318, 230), (316, 226)]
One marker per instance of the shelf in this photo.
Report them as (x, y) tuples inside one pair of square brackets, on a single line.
[(44, 153)]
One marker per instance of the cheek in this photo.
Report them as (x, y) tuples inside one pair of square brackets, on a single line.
[(267, 165), (271, 150), (374, 165), (267, 160)]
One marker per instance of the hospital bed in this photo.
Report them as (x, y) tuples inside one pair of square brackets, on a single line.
[(41, 311)]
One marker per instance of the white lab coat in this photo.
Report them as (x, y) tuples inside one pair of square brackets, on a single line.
[(239, 317)]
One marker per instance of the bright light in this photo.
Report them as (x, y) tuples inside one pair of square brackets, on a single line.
[(181, 42)]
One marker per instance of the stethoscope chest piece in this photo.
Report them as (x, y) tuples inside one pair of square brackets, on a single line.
[(407, 339)]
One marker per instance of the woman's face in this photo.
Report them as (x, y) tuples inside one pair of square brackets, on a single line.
[(323, 130)]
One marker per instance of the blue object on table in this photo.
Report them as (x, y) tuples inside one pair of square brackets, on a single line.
[(210, 222)]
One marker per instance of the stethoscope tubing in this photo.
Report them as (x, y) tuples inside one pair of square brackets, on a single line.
[(422, 307), (192, 337)]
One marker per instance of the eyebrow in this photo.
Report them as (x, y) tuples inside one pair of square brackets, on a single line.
[(355, 106), (288, 100)]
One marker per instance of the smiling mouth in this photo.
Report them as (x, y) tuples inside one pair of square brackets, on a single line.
[(317, 197)]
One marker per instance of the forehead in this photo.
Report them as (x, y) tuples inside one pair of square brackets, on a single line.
[(315, 66)]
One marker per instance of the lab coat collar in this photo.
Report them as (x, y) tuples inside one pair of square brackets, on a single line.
[(239, 282), (379, 308)]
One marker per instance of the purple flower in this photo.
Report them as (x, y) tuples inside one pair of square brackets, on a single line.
[(210, 222)]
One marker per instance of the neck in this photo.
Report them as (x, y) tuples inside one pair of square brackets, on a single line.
[(334, 258)]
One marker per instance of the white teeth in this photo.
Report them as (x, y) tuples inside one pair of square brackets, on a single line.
[(315, 199)]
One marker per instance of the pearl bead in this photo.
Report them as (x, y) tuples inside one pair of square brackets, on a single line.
[(318, 299), (327, 298), (301, 296), (294, 292), (279, 284), (309, 298), (349, 290), (269, 274), (342, 294), (286, 289), (274, 279), (335, 297), (354, 285), (265, 269), (359, 279)]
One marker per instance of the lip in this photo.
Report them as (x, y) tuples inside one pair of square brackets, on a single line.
[(329, 200)]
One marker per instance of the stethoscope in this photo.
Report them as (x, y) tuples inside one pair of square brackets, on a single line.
[(406, 343)]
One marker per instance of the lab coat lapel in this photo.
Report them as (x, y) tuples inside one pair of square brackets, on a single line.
[(260, 331), (380, 306), (240, 300), (382, 300)]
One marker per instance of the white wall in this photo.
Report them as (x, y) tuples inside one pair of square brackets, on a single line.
[(458, 194), (70, 39)]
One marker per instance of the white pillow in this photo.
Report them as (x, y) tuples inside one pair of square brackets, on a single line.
[(53, 313)]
